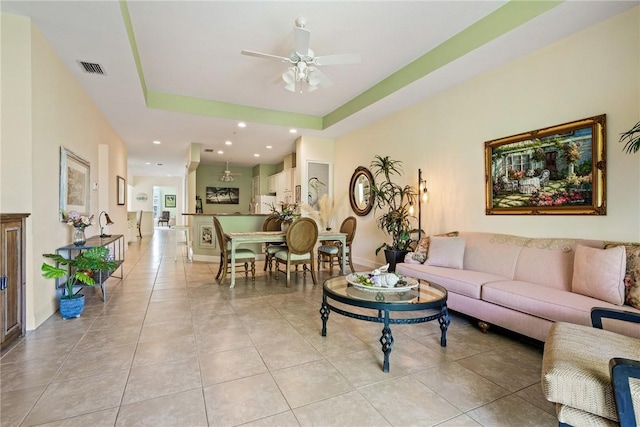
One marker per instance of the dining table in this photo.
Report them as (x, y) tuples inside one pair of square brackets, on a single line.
[(238, 238)]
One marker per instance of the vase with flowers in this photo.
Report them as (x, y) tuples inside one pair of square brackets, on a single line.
[(287, 213), (79, 223)]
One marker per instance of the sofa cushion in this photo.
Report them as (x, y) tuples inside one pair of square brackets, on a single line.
[(599, 273), (446, 252), (547, 262), (632, 277), (464, 282), (422, 248), (491, 253)]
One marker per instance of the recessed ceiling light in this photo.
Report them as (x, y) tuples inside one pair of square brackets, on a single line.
[(269, 147), (242, 125), (157, 142), (228, 143), (256, 155), (220, 152), (147, 163), (293, 131)]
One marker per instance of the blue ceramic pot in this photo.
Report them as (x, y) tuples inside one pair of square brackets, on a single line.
[(71, 307)]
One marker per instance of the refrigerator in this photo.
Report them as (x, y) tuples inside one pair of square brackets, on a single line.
[(262, 203)]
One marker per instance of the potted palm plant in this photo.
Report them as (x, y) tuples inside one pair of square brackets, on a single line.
[(631, 138), (83, 268), (397, 200)]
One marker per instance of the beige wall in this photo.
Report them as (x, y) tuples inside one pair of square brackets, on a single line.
[(592, 72), (58, 113)]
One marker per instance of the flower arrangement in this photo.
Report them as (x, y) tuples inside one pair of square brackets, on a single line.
[(76, 220), (287, 213), (325, 213)]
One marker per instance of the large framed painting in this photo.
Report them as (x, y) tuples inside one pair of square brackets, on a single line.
[(75, 174), (559, 170), (318, 175), (223, 196)]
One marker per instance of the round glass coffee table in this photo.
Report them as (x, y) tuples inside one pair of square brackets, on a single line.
[(424, 296)]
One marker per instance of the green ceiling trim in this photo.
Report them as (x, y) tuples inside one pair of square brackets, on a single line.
[(207, 107), (499, 22), (134, 46)]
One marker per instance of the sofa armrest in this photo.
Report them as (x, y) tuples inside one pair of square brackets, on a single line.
[(621, 371), (598, 313)]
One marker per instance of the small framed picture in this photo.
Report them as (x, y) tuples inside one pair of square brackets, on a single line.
[(298, 193), (205, 233), (122, 190), (170, 201)]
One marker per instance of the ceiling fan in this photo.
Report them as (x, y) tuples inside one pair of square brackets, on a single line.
[(303, 62), (227, 176)]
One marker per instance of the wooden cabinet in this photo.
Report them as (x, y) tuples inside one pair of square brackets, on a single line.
[(282, 184), (12, 277)]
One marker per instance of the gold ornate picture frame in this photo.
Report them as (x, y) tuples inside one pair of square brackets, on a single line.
[(559, 170)]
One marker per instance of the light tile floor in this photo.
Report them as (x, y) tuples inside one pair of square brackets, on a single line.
[(172, 347)]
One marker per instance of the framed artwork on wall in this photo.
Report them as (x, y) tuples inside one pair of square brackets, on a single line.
[(122, 190), (559, 170), (205, 233), (317, 182), (222, 196), (75, 174), (170, 201)]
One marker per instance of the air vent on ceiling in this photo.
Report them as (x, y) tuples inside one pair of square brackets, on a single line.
[(208, 150), (91, 67)]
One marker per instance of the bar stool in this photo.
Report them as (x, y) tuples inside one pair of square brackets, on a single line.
[(187, 231)]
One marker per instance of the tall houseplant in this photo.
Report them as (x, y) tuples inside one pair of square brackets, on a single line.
[(80, 269), (631, 138), (397, 200)]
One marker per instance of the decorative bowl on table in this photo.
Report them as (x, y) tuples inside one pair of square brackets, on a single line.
[(373, 281)]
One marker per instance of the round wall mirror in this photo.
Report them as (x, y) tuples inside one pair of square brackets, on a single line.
[(360, 194)]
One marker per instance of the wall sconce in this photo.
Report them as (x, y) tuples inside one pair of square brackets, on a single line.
[(423, 196), (109, 222)]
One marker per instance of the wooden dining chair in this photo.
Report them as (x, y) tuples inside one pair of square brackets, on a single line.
[(272, 223), (139, 223), (333, 249), (301, 241), (243, 256)]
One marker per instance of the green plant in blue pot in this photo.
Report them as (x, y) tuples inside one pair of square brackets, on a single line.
[(82, 268)]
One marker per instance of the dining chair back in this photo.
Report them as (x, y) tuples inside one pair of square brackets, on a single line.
[(333, 249), (139, 223), (243, 256), (300, 240)]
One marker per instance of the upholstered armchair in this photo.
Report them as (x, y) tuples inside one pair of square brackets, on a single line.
[(164, 218), (593, 375)]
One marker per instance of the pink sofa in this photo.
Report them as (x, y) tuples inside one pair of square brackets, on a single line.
[(518, 283)]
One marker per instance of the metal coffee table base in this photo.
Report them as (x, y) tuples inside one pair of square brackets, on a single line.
[(383, 317)]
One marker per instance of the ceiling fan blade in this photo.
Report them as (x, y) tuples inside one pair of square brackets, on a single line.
[(343, 58), (265, 56), (301, 40), (318, 78)]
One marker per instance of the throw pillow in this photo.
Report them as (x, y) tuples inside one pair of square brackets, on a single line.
[(422, 248), (446, 252), (599, 273), (632, 276), (408, 259)]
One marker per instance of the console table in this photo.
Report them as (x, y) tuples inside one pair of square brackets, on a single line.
[(115, 243)]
